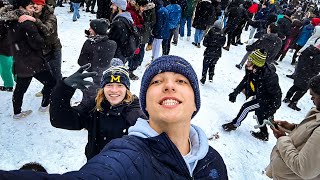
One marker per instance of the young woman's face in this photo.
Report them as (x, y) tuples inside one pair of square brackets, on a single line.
[(38, 8), (170, 99), (115, 93)]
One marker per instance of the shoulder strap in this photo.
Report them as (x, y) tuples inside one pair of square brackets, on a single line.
[(315, 127)]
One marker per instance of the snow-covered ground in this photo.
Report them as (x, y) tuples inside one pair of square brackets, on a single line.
[(33, 139)]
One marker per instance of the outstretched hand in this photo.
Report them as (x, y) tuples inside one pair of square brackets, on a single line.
[(77, 81)]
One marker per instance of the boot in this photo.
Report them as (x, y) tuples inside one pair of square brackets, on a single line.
[(149, 47), (229, 127), (203, 80), (290, 76), (198, 45), (22, 114), (226, 48), (132, 76), (293, 105), (195, 44), (239, 66), (260, 135), (286, 100), (8, 89)]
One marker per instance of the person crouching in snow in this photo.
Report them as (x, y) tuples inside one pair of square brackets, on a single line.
[(98, 50), (262, 83), (214, 41), (114, 111)]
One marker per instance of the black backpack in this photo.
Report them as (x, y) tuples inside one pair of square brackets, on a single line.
[(134, 39)]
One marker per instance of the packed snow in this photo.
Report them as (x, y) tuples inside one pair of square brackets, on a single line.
[(33, 139)]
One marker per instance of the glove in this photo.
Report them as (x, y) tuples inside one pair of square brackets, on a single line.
[(249, 48), (76, 80), (233, 97), (137, 51)]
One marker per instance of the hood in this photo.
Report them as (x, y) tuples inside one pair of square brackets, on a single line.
[(316, 31), (198, 139), (126, 15), (8, 14)]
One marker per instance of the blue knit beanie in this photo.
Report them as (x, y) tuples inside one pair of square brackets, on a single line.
[(169, 64)]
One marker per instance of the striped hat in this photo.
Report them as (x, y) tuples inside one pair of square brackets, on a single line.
[(258, 57)]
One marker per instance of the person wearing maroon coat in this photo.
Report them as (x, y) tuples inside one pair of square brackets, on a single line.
[(135, 8)]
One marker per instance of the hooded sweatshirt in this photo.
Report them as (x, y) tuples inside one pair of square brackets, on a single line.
[(198, 141)]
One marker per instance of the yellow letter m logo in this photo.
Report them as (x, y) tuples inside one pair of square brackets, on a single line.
[(116, 79)]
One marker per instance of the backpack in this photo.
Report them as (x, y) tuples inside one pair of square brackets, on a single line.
[(134, 39)]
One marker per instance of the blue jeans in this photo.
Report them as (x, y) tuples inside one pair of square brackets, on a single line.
[(198, 35), (76, 14), (182, 23), (223, 17)]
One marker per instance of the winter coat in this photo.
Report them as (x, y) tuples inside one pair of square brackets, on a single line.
[(307, 67), (214, 41), (267, 89), (149, 16), (262, 14), (27, 52), (203, 15), (133, 158), (305, 34), (174, 11), (294, 32), (5, 45), (119, 32), (297, 155), (47, 25), (313, 39), (98, 51), (161, 28), (235, 16), (137, 18), (188, 12), (270, 42), (284, 26), (103, 126)]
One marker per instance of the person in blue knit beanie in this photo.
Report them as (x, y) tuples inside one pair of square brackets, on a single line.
[(166, 146)]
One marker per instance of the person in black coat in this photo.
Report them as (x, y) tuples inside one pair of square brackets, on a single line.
[(270, 42), (261, 85), (307, 67), (28, 58), (112, 111), (203, 15), (214, 41), (98, 50)]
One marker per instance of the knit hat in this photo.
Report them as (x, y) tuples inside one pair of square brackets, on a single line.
[(218, 24), (116, 73), (39, 2), (141, 2), (258, 57), (22, 3), (169, 64), (100, 26), (122, 4)]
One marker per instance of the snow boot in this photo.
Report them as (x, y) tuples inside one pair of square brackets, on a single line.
[(198, 45), (260, 135), (293, 105), (203, 80), (8, 89), (290, 76), (227, 48), (229, 127)]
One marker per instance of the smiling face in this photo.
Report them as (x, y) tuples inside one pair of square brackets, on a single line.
[(169, 99), (315, 98), (115, 93)]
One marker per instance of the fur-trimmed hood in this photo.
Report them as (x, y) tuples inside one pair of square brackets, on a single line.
[(8, 14)]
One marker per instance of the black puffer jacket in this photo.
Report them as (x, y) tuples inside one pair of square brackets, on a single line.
[(270, 42), (103, 126), (266, 88), (203, 15), (284, 25), (307, 67), (214, 41)]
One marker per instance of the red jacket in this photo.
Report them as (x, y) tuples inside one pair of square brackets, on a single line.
[(137, 19)]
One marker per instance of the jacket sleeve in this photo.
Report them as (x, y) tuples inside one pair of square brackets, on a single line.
[(84, 54), (306, 162), (62, 115), (48, 27), (34, 39), (241, 85)]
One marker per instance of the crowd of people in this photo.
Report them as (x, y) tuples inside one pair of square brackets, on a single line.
[(151, 136)]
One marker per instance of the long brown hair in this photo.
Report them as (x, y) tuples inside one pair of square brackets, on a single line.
[(128, 99)]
